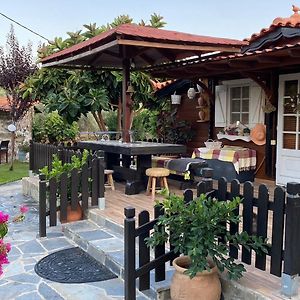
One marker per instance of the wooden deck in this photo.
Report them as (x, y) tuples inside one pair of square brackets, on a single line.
[(262, 282)]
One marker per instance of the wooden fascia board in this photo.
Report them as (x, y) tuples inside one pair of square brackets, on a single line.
[(178, 46), (67, 60)]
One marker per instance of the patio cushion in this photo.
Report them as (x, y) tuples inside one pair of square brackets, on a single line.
[(157, 172)]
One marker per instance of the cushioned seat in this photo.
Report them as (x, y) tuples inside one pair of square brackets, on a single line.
[(153, 174)]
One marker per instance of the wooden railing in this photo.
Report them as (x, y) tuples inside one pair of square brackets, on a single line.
[(284, 237), (83, 188)]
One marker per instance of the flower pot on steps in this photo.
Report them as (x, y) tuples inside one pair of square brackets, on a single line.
[(204, 286), (73, 215)]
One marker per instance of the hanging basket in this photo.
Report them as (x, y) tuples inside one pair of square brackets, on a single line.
[(175, 99)]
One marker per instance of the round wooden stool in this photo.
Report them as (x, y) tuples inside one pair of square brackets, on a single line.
[(153, 174), (110, 180)]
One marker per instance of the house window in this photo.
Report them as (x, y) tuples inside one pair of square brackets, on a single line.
[(239, 100), (239, 104)]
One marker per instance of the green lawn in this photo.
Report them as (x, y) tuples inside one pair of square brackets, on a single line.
[(20, 170)]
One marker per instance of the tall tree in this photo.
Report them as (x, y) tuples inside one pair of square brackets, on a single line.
[(16, 64), (75, 92)]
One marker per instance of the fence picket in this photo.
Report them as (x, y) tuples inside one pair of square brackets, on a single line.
[(160, 270), (63, 197), (188, 196), (234, 227), (222, 196), (52, 201), (42, 205), (277, 231), (95, 182), (144, 251), (74, 189), (247, 218), (262, 222), (85, 187)]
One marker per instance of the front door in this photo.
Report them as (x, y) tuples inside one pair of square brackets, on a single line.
[(288, 130)]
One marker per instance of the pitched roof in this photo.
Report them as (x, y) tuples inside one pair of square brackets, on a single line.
[(292, 22), (4, 106), (134, 35)]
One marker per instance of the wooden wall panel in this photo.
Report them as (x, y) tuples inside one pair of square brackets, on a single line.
[(188, 110)]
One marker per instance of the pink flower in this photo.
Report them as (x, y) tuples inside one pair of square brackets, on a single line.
[(24, 209), (3, 217), (8, 247)]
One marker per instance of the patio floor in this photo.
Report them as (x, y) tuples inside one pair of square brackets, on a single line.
[(254, 279)]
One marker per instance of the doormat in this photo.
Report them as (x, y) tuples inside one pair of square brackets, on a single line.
[(72, 265)]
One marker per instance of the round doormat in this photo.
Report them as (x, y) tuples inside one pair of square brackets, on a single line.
[(72, 265)]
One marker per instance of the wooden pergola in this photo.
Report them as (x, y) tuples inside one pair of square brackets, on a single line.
[(132, 47)]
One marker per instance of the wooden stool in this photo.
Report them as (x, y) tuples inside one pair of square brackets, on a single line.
[(110, 180), (154, 173)]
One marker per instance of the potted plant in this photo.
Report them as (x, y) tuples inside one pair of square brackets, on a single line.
[(56, 170), (23, 150), (196, 229), (246, 131)]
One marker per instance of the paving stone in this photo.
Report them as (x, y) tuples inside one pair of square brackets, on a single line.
[(56, 243), (29, 268), (13, 268), (25, 278), (51, 235), (13, 289), (81, 226), (95, 235), (32, 247), (80, 291), (14, 251), (48, 293), (30, 296), (109, 245), (113, 287)]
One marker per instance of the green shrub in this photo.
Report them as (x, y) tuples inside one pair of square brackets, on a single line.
[(38, 128), (53, 128)]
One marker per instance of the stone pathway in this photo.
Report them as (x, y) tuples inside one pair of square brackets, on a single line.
[(19, 280)]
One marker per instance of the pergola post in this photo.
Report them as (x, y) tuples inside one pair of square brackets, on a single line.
[(126, 100)]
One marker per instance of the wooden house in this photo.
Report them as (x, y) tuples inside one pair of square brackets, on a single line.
[(259, 85)]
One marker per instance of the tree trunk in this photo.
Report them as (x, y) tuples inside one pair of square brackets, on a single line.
[(101, 120), (13, 142), (97, 119)]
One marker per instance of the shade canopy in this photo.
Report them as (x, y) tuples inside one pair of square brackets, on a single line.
[(144, 46)]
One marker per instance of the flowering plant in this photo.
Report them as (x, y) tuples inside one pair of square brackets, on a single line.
[(6, 247)]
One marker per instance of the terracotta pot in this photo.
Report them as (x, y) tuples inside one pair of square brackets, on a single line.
[(201, 101), (204, 286), (201, 115), (73, 215)]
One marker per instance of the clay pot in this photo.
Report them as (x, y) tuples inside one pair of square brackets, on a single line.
[(201, 115), (73, 215), (204, 286), (201, 101)]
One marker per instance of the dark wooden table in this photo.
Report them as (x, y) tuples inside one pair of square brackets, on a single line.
[(118, 156)]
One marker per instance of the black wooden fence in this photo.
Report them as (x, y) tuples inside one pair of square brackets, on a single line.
[(256, 211), (83, 187), (41, 155)]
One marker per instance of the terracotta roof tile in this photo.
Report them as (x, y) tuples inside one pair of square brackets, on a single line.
[(133, 30), (292, 21)]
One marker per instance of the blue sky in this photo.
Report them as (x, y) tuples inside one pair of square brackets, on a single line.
[(221, 18)]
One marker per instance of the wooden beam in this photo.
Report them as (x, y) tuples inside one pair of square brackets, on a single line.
[(147, 59), (67, 60), (268, 59), (179, 46), (217, 67), (238, 64), (167, 55), (294, 52)]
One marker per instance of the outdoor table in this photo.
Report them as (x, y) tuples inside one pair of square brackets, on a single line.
[(136, 179)]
